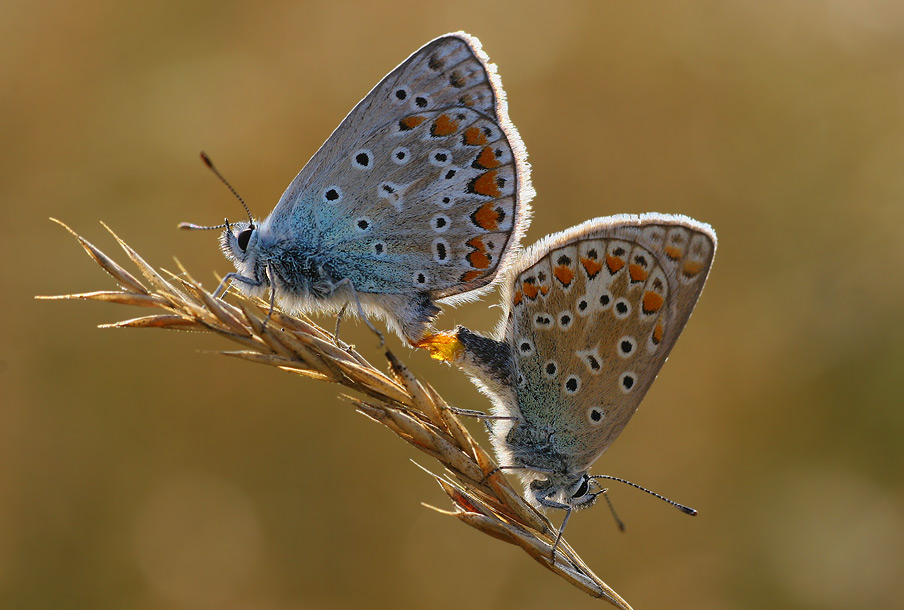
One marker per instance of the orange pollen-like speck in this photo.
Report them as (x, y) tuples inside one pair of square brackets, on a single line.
[(442, 346)]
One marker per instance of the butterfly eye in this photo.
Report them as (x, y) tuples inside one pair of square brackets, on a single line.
[(583, 489), (244, 237)]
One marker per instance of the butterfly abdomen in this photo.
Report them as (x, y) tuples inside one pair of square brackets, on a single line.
[(491, 357)]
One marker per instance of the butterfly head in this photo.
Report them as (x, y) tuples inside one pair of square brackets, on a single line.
[(241, 244), (239, 241), (567, 492)]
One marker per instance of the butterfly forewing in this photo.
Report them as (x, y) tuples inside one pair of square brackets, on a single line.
[(593, 314), (424, 185)]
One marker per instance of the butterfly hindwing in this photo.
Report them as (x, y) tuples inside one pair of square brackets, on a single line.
[(592, 315)]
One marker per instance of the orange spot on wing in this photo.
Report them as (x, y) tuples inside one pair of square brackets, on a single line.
[(592, 267), (638, 273), (614, 263), (470, 276), (673, 252), (444, 126), (486, 184), (519, 296), (563, 274), (544, 289), (478, 258), (487, 217), (657, 333), (692, 268), (487, 158), (652, 301), (477, 244), (474, 136), (411, 122), (530, 290)]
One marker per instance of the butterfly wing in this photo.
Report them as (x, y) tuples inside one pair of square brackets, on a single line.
[(424, 187), (592, 315)]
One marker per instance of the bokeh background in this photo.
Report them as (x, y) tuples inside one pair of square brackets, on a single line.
[(139, 470)]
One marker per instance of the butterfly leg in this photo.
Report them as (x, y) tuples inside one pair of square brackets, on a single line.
[(360, 308), (471, 413), (499, 468), (225, 283), (553, 504), (341, 313), (487, 418), (272, 298)]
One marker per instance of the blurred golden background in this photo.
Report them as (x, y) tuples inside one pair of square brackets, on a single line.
[(138, 470)]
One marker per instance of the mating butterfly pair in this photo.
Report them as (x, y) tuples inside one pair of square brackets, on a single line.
[(421, 195)]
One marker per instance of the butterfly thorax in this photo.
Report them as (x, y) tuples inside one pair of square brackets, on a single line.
[(296, 271), (535, 448), (301, 271)]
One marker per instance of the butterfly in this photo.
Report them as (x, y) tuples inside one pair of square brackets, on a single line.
[(589, 317), (421, 195)]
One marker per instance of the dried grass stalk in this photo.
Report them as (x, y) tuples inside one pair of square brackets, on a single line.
[(481, 496)]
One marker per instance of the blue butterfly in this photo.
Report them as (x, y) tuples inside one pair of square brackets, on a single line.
[(421, 195)]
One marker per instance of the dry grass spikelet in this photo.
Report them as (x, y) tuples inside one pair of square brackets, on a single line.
[(481, 496)]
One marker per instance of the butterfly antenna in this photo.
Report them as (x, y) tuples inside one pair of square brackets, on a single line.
[(193, 226), (685, 509), (217, 173)]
